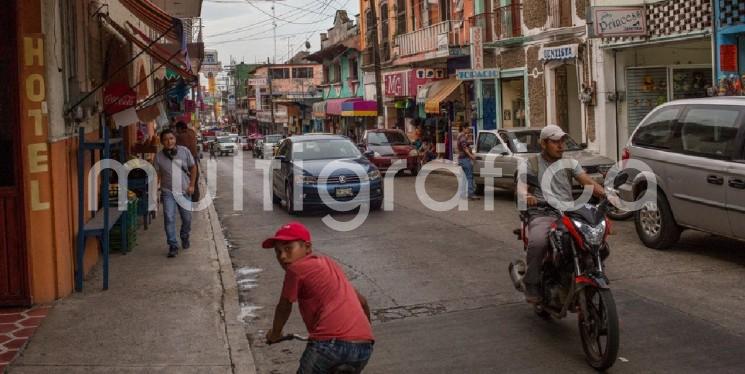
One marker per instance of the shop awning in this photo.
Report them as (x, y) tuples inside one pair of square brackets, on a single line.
[(319, 110), (333, 106), (158, 20), (438, 92), (359, 108)]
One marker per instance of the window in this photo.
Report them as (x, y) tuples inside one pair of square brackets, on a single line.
[(353, 68), (337, 73), (400, 17), (326, 76), (383, 22), (657, 131), (486, 142), (280, 73), (302, 72), (710, 132)]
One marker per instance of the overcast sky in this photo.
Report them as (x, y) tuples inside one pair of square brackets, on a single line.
[(243, 29)]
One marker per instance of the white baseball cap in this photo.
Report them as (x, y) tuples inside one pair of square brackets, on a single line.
[(552, 132)]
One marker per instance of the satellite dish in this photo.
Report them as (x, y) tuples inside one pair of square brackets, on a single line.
[(307, 44)]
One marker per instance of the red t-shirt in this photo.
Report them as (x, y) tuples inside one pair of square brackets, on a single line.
[(328, 302)]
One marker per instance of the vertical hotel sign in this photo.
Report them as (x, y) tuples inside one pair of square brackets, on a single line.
[(477, 48), (34, 122)]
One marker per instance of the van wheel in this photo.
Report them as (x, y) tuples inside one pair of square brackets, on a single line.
[(656, 225), (479, 189), (290, 201)]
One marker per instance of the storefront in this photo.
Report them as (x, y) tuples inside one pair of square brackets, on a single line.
[(401, 90), (359, 116), (501, 96)]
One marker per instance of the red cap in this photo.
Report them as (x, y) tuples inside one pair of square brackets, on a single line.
[(287, 233)]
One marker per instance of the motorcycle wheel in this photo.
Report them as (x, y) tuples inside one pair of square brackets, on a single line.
[(599, 328), (619, 215)]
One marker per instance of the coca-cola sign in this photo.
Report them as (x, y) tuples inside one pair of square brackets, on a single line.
[(118, 97)]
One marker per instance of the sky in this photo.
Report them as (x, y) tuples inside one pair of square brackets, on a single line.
[(243, 28)]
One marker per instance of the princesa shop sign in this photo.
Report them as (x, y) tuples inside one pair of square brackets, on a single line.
[(619, 21)]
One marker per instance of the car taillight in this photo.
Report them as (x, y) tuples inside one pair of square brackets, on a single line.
[(626, 154)]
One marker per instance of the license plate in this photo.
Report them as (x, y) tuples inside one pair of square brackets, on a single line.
[(343, 192)]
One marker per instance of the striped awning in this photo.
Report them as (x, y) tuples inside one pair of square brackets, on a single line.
[(333, 106), (438, 92), (359, 108), (157, 19)]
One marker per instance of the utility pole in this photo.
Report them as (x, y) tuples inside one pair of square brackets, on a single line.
[(271, 93), (376, 61), (274, 28)]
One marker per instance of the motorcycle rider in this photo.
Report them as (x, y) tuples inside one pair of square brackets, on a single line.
[(541, 217)]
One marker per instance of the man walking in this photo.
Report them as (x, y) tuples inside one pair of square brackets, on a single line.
[(187, 137), (465, 159), (177, 178)]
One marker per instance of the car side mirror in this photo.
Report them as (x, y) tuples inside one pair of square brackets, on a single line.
[(505, 153), (369, 154)]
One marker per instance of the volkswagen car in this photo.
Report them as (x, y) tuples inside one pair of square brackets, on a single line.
[(311, 166)]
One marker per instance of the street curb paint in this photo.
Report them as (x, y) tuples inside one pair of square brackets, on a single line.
[(240, 352)]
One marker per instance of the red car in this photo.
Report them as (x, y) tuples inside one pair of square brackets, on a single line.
[(386, 146)]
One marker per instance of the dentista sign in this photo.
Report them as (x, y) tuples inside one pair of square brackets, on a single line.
[(619, 21)]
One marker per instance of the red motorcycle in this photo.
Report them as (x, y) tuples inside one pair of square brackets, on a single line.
[(572, 276)]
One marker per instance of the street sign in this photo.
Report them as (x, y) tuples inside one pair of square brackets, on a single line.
[(619, 21), (259, 81)]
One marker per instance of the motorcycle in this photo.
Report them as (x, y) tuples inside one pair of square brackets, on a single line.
[(573, 279)]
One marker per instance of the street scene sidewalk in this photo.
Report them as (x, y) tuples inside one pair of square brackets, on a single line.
[(165, 315)]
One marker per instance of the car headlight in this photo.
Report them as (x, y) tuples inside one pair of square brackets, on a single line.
[(373, 175), (414, 153), (376, 154), (593, 234), (305, 179)]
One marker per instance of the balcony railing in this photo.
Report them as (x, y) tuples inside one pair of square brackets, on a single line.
[(503, 23), (427, 39)]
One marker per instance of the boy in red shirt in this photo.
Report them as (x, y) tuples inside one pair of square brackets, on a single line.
[(336, 315)]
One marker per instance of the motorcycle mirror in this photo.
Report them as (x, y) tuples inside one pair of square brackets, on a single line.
[(620, 180)]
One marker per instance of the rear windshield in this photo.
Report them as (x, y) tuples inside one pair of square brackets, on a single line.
[(387, 138)]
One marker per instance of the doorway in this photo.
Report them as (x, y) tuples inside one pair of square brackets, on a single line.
[(568, 109), (14, 288)]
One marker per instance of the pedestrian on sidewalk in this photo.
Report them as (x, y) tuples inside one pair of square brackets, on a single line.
[(213, 150), (177, 178), (336, 315), (465, 159), (188, 138)]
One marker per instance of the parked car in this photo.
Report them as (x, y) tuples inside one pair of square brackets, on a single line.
[(226, 145), (507, 147), (258, 150), (271, 143), (388, 146), (696, 150), (303, 157)]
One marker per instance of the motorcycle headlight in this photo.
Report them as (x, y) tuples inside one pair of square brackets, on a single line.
[(593, 234), (305, 179), (414, 153), (373, 175)]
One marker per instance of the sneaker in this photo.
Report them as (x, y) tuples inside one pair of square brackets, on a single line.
[(185, 243), (532, 293), (473, 198), (172, 252)]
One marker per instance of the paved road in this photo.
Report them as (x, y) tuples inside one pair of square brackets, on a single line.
[(443, 302)]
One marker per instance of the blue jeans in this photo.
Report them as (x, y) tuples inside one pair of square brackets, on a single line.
[(322, 356), (467, 166), (169, 218)]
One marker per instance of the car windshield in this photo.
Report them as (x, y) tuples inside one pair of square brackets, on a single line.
[(325, 149), (273, 138), (226, 139), (528, 142), (387, 138)]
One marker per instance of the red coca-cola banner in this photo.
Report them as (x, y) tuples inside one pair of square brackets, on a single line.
[(118, 97)]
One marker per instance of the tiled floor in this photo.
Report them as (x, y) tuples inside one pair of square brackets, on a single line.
[(16, 327)]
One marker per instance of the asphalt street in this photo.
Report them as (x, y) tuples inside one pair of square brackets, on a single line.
[(443, 302)]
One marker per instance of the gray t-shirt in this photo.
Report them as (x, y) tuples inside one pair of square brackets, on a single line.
[(561, 184), (178, 167)]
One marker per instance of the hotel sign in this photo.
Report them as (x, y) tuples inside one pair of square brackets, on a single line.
[(619, 21)]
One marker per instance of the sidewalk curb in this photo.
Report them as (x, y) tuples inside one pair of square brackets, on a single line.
[(241, 356)]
